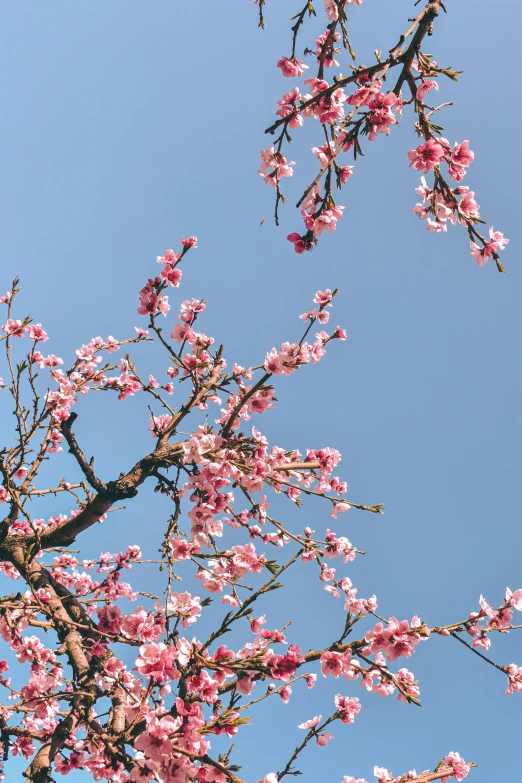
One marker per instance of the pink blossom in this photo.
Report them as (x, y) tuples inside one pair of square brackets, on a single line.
[(345, 172), (330, 107), (157, 661), (427, 156), (245, 683), (397, 639), (332, 7), (332, 10), (273, 363), (257, 623), (205, 686), (13, 328), (405, 679), (110, 619), (289, 108), (468, 206), (151, 302), (317, 85), (462, 155), (283, 667), (323, 298), (482, 254), (300, 245), (182, 332), (483, 641), (424, 87), (514, 674), (312, 723), (514, 599), (36, 333), (170, 258), (459, 767), (159, 424), (323, 739), (291, 67), (144, 626), (181, 549), (309, 315), (276, 161), (381, 116), (332, 663), (327, 54), (313, 198), (326, 221), (155, 742), (171, 276), (186, 607), (348, 707)]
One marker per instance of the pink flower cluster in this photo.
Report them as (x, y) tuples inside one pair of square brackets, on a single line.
[(455, 765), (315, 223), (375, 677), (481, 623), (497, 242), (291, 356), (274, 165), (15, 328), (288, 108), (291, 67), (329, 102), (326, 48), (434, 151), (396, 639)]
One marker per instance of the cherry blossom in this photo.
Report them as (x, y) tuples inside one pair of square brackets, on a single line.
[(291, 67)]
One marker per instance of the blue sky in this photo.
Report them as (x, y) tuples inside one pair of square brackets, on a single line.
[(129, 124)]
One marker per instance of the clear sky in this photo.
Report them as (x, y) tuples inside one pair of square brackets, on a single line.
[(129, 124)]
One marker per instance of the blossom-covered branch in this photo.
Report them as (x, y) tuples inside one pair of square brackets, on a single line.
[(349, 108), (138, 697)]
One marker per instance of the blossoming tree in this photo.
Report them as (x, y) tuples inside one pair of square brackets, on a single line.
[(137, 694)]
